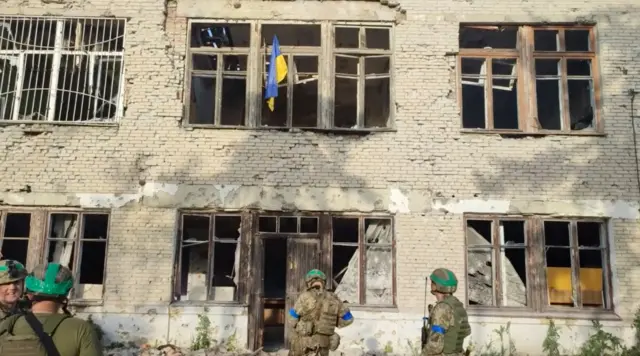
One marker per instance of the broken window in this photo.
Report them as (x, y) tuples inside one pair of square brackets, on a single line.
[(496, 263), (362, 77), (509, 259), (575, 255), (494, 67), (362, 260), (61, 69), (16, 229), (297, 102), (218, 56), (209, 258), (79, 241)]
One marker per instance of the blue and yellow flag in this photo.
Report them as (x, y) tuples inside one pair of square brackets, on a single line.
[(277, 72)]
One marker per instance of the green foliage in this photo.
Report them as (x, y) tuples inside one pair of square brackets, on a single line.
[(551, 344), (388, 349), (231, 344), (202, 339), (601, 343), (505, 349)]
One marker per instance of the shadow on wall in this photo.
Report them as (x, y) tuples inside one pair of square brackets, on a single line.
[(583, 168)]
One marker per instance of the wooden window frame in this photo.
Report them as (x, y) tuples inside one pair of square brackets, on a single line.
[(79, 239), (289, 53), (242, 242), (255, 72), (537, 292), (526, 55), (361, 54), (362, 263), (219, 74), (39, 240)]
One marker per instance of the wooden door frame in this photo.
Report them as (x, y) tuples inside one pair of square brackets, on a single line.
[(256, 271)]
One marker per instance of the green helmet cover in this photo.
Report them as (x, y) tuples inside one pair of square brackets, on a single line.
[(48, 286), (315, 273), (450, 281)]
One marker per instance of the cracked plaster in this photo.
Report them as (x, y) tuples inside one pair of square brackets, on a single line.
[(394, 200)]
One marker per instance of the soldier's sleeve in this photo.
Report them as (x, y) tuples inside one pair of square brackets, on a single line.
[(295, 313), (345, 318), (89, 341), (441, 319)]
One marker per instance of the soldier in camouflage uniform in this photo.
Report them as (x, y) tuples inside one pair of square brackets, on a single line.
[(314, 317), (12, 274), (448, 318), (47, 288)]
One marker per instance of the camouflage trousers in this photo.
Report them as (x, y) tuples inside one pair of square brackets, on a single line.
[(316, 345)]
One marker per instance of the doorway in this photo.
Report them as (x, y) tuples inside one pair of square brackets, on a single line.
[(275, 293), (286, 260)]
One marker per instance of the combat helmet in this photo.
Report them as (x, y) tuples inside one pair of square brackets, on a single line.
[(445, 280), (313, 275), (11, 271), (49, 280)]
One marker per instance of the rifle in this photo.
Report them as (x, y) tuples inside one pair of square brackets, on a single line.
[(425, 318)]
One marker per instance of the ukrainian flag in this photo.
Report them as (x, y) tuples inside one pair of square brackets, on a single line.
[(277, 72)]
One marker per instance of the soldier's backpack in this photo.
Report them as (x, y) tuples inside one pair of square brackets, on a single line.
[(40, 344)]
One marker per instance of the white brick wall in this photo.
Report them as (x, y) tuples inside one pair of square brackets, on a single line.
[(427, 158)]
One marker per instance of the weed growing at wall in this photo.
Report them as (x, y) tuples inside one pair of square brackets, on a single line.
[(202, 339), (388, 349), (601, 343), (231, 344), (551, 343), (506, 349)]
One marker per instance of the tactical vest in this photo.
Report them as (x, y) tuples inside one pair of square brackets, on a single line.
[(454, 336), (327, 310), (26, 345)]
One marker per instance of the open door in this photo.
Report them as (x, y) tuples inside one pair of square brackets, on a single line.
[(303, 254)]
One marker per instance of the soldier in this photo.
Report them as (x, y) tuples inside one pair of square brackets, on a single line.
[(448, 318), (44, 330), (314, 317), (12, 274)]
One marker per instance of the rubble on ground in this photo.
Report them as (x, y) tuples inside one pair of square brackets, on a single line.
[(171, 350)]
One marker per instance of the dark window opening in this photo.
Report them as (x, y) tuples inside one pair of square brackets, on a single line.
[(15, 240), (564, 88), (297, 102), (210, 257), (358, 104), (82, 247), (485, 37), (569, 256), (292, 35), (275, 289), (218, 81), (508, 289)]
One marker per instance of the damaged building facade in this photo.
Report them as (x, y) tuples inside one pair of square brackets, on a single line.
[(495, 138)]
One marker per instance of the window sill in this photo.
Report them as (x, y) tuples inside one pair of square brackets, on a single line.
[(533, 134), (85, 303), (371, 308), (554, 314), (59, 123), (206, 303), (291, 129)]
